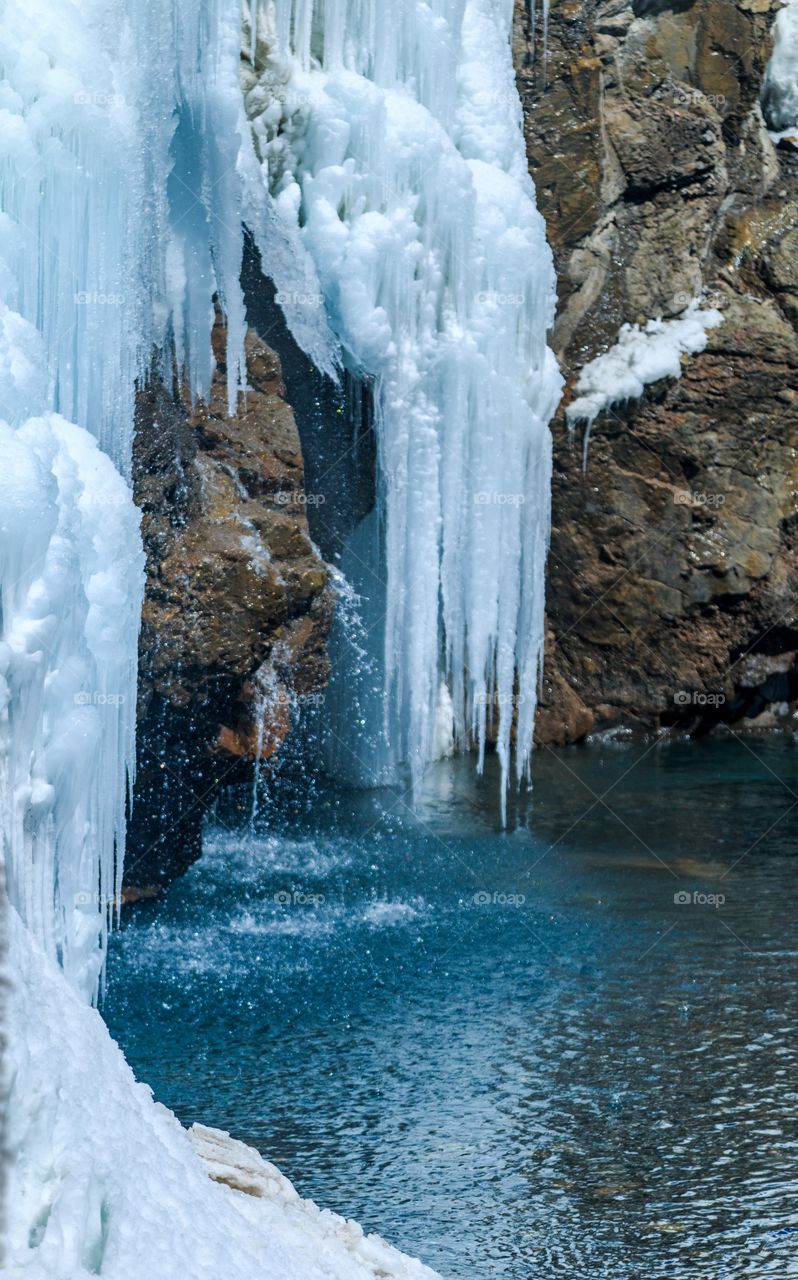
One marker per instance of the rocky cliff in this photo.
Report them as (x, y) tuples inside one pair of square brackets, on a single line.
[(673, 569)]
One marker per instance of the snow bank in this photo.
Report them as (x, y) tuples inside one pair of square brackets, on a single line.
[(780, 90), (104, 1181), (639, 357), (391, 140)]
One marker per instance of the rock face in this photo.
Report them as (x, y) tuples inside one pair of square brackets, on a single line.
[(238, 603), (673, 569)]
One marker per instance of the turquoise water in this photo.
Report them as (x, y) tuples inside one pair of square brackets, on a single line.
[(514, 1055)]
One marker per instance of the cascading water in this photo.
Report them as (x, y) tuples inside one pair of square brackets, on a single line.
[(392, 139)]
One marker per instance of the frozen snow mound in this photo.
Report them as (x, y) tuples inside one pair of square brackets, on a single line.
[(391, 139), (641, 355), (105, 1182)]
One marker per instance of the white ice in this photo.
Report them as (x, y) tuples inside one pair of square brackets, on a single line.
[(125, 173), (780, 90), (391, 138)]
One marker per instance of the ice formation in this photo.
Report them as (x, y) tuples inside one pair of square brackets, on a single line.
[(391, 139), (123, 183), (110, 1184), (126, 175), (640, 356), (780, 90)]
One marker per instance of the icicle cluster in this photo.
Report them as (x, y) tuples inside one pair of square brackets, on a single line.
[(392, 136), (125, 172)]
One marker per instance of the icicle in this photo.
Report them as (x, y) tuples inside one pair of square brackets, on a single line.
[(274, 705), (126, 170), (532, 11), (642, 355), (398, 156)]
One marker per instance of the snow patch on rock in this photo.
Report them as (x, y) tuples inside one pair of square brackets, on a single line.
[(641, 355)]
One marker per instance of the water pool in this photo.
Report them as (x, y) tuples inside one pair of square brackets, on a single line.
[(568, 1050)]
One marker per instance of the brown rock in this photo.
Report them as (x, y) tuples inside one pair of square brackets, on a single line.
[(673, 556), (237, 602)]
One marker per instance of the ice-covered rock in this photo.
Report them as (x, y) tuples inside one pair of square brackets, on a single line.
[(780, 90)]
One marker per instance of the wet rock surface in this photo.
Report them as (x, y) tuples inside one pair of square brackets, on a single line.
[(238, 603), (673, 555)]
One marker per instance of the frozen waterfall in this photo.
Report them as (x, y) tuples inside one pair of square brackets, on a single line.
[(391, 138), (396, 188), (126, 173), (119, 121)]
